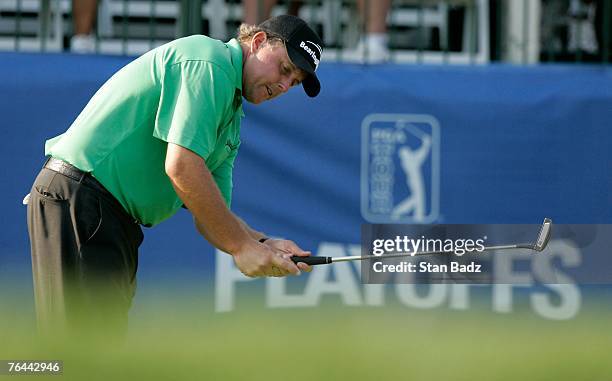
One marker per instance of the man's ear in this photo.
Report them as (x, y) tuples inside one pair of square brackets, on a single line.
[(258, 41)]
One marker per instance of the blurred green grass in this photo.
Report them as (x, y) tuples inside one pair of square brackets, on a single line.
[(185, 340)]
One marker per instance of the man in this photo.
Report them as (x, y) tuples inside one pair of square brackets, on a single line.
[(162, 133), (372, 46), (84, 14)]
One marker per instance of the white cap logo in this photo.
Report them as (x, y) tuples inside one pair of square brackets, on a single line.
[(311, 52)]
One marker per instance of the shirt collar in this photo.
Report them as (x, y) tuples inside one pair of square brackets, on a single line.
[(236, 54)]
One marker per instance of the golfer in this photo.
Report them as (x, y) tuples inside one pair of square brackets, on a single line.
[(160, 134)]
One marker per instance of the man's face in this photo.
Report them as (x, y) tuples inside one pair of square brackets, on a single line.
[(268, 72)]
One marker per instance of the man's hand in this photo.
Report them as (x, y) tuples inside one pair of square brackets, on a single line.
[(290, 249), (257, 260)]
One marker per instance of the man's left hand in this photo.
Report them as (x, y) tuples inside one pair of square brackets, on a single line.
[(291, 249)]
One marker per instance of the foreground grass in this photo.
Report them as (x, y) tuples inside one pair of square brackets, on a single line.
[(333, 343)]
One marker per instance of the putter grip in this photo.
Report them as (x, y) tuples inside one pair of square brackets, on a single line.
[(311, 260)]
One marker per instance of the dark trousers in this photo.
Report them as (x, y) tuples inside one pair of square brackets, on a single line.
[(84, 255)]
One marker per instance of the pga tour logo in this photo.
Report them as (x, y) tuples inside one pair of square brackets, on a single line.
[(400, 168)]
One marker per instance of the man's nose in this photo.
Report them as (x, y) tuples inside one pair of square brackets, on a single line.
[(284, 86)]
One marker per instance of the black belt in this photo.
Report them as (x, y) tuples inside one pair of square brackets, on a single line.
[(86, 179), (74, 173)]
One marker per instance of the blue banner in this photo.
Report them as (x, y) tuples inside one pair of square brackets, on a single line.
[(381, 144)]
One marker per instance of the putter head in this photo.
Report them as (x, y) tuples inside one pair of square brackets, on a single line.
[(544, 236)]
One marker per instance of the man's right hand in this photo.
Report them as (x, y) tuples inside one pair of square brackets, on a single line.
[(257, 260)]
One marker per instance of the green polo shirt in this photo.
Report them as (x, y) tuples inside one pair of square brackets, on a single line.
[(187, 92)]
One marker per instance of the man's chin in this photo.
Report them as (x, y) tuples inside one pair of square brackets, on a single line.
[(253, 100)]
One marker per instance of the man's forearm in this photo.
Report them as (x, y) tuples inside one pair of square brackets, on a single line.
[(256, 235), (195, 186)]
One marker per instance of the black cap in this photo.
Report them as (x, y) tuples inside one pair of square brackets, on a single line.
[(304, 47)]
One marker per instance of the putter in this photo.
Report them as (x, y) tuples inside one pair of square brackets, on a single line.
[(538, 246)]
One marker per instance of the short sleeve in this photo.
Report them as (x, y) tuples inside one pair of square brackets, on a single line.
[(195, 98), (223, 177)]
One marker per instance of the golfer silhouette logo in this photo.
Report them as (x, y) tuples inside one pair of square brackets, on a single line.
[(411, 161), (400, 168)]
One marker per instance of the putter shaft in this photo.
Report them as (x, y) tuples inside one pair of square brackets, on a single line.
[(539, 245)]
